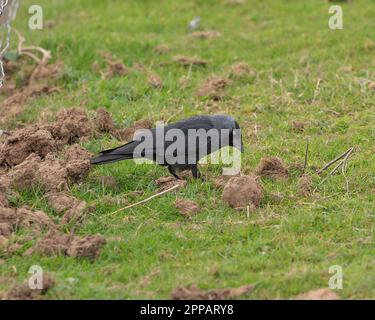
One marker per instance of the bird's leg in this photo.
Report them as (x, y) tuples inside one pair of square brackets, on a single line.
[(195, 172), (173, 172)]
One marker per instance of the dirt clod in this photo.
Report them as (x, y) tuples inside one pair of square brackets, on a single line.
[(3, 199), (5, 229), (319, 294), (9, 216), (241, 70), (115, 68), (88, 247), (76, 153), (54, 243), (273, 168), (168, 182), (24, 292), (34, 221), (128, 133), (69, 206), (187, 207), (77, 162), (305, 185), (220, 182), (154, 81), (71, 125), (21, 143), (298, 125), (213, 88), (206, 34), (194, 293), (24, 218), (188, 61), (52, 175), (23, 174), (162, 48), (243, 191), (104, 121)]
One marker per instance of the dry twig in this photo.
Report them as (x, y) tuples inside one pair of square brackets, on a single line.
[(146, 200), (343, 164)]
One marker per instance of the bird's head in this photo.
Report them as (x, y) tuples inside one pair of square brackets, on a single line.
[(235, 134)]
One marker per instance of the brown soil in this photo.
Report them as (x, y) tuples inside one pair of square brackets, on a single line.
[(29, 157), (272, 168), (61, 202), (188, 61), (162, 48), (213, 88), (34, 221), (298, 125), (5, 181), (76, 152), (52, 175), (70, 207), (240, 70), (71, 125), (194, 293), (128, 133), (49, 71), (305, 185), (220, 182), (206, 34), (5, 229), (20, 96), (104, 121), (23, 174), (243, 191), (9, 217), (37, 81), (115, 67), (168, 182), (154, 81), (319, 294), (21, 143), (3, 199), (187, 207), (88, 247), (23, 292), (77, 162), (54, 243)]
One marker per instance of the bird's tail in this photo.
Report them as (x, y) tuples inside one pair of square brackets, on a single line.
[(111, 155), (107, 158)]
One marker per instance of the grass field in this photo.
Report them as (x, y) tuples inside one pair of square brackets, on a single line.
[(304, 72)]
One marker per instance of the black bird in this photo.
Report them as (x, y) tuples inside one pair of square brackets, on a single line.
[(187, 153)]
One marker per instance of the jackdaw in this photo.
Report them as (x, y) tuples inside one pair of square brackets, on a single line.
[(175, 145)]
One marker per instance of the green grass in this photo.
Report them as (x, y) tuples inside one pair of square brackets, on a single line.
[(285, 247)]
